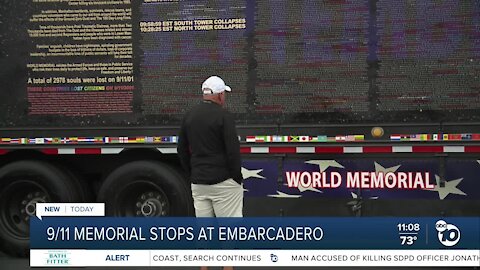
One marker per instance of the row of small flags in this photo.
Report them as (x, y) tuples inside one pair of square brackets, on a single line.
[(320, 138), (174, 139), (356, 138), (436, 137), (90, 140), (248, 139)]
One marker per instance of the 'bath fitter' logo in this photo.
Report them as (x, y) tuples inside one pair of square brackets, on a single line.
[(58, 257)]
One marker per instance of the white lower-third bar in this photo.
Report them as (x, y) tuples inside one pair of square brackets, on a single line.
[(297, 258)]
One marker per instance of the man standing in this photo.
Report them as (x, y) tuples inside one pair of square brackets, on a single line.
[(209, 151)]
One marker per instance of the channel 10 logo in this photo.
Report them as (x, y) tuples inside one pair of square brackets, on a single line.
[(448, 234)]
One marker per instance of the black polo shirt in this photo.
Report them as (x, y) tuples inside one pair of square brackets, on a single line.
[(208, 145)]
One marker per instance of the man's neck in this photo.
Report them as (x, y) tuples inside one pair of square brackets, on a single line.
[(211, 99)]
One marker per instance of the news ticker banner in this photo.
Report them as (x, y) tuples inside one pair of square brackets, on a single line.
[(286, 241), (254, 258)]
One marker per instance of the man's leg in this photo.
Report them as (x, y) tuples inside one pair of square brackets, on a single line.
[(227, 199), (203, 204), (201, 201)]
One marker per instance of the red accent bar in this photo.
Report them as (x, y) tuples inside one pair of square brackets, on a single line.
[(50, 151), (3, 151), (329, 149), (427, 149), (377, 149), (281, 150), (88, 151), (472, 149), (245, 150)]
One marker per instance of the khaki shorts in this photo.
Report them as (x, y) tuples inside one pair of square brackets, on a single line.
[(224, 199)]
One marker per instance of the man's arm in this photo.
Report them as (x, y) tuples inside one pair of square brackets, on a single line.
[(183, 149), (232, 147)]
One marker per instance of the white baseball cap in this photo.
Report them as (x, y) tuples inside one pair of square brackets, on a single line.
[(214, 85)]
